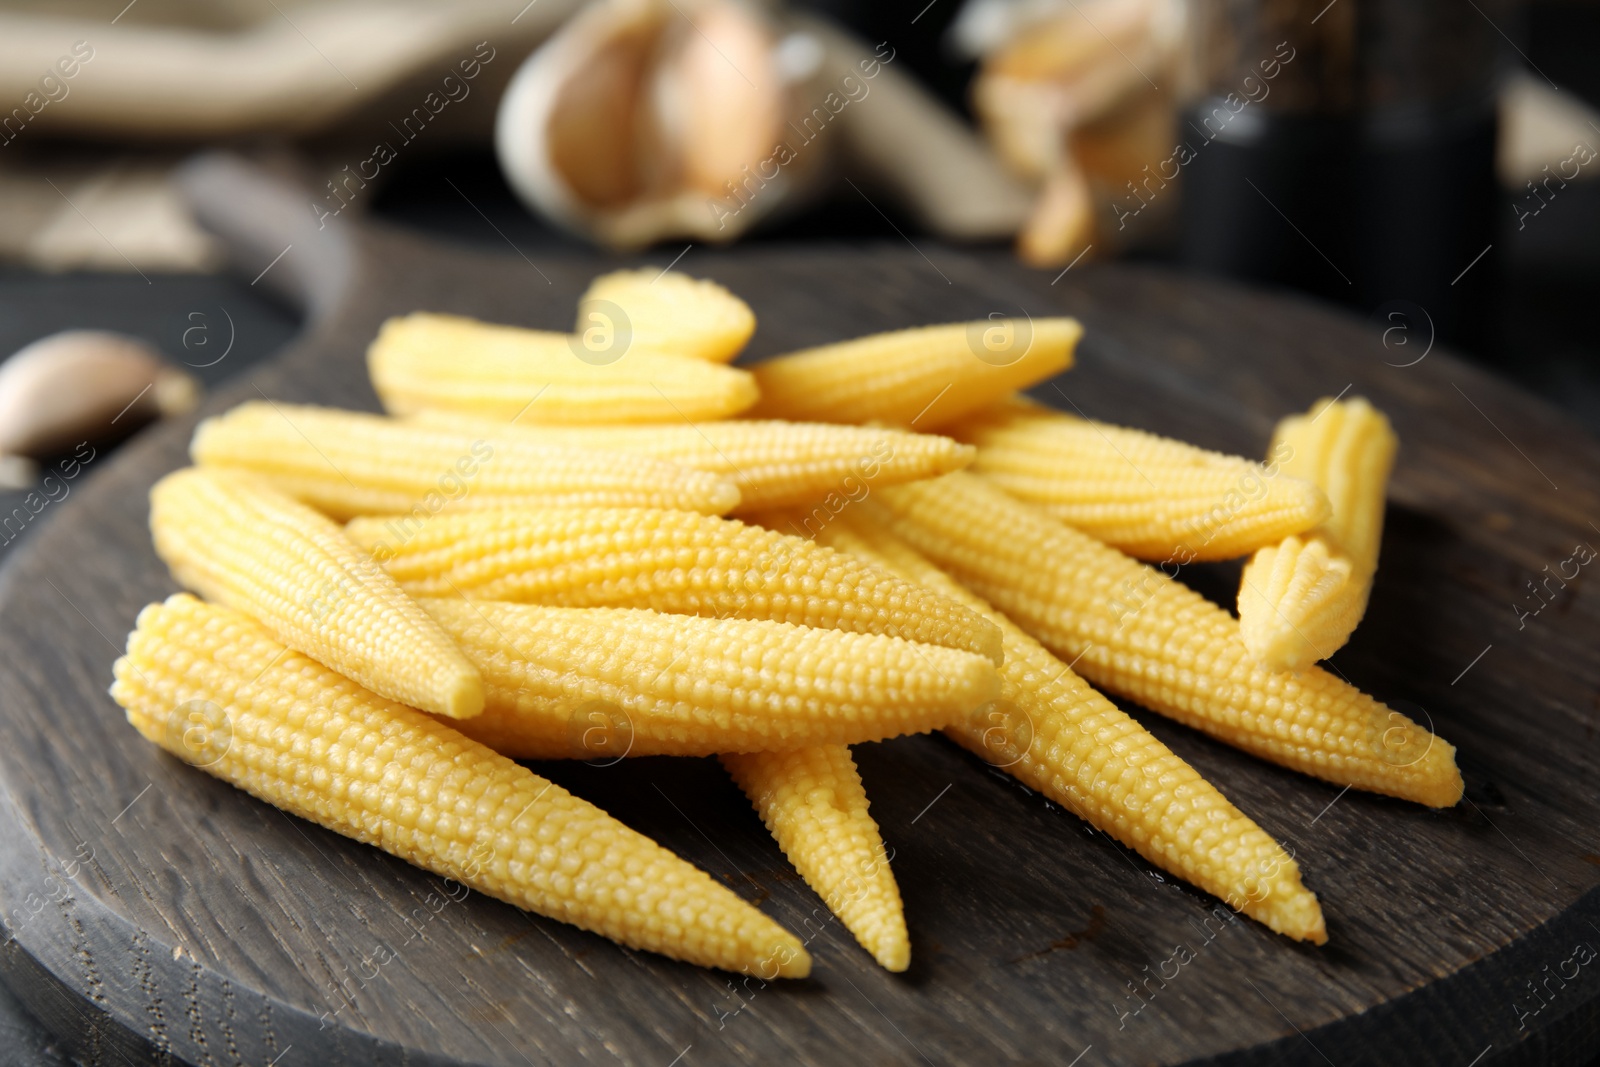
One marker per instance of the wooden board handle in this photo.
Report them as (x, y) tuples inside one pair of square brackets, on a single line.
[(271, 230)]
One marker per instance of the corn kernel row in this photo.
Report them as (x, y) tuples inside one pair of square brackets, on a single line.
[(1134, 632), (670, 561), (1052, 731), (215, 689)]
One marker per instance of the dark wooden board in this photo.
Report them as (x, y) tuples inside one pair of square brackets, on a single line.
[(154, 912)]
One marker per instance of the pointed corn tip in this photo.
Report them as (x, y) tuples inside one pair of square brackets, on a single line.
[(463, 695), (1066, 332), (1431, 779), (365, 532), (790, 957), (724, 497), (1442, 785), (1288, 907), (1304, 922), (1302, 493), (894, 957), (990, 641), (744, 393), (960, 457)]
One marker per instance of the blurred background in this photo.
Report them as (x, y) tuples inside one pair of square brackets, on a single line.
[(1431, 165)]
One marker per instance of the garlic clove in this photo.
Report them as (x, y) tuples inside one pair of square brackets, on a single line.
[(594, 124), (567, 129), (85, 385), (720, 96), (1062, 223), (631, 122)]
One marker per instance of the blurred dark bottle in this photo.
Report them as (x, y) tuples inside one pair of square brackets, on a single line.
[(1348, 150)]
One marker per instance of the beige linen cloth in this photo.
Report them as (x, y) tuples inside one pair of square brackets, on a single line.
[(100, 98)]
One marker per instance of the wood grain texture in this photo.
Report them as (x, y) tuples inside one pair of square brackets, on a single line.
[(157, 914)]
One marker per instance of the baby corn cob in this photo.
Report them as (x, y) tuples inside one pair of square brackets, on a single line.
[(348, 463), (670, 312), (501, 372), (216, 690), (1055, 733), (1300, 600), (1150, 496), (923, 377), (672, 561), (231, 537), (564, 682), (774, 464), (1135, 632), (813, 802)]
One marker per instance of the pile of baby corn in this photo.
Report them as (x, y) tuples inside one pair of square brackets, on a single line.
[(528, 558)]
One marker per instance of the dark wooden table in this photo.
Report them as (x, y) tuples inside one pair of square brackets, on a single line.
[(156, 913)]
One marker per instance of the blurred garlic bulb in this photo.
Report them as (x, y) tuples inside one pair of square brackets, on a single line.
[(1068, 68), (1075, 95), (82, 385), (643, 120), (638, 117)]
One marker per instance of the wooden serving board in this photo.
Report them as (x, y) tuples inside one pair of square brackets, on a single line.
[(156, 913)]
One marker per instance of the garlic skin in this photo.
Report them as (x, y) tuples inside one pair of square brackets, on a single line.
[(83, 385)]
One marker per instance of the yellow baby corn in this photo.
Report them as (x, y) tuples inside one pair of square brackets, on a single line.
[(216, 690), (1152, 497), (923, 377), (773, 463), (667, 312), (1055, 733), (1300, 600), (601, 682), (231, 537), (348, 463), (672, 561), (1136, 633), (813, 802), (501, 372)]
